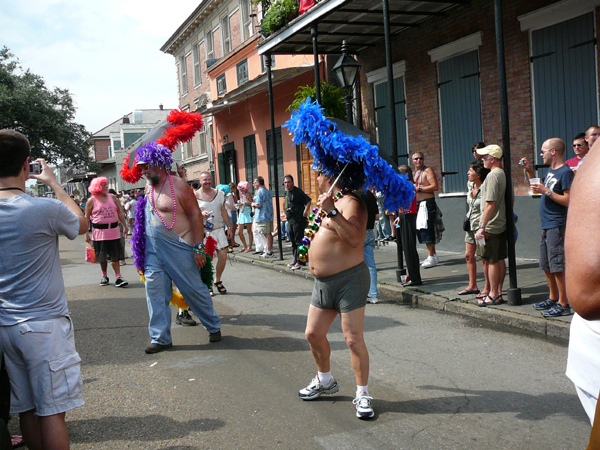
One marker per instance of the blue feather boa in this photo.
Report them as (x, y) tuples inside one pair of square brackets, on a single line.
[(138, 240), (332, 149)]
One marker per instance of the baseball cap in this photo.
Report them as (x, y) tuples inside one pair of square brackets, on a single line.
[(492, 150)]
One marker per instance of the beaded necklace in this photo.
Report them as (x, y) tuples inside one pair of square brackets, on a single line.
[(174, 204), (315, 218)]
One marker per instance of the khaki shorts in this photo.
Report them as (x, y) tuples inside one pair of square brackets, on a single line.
[(47, 379), (264, 227), (219, 235)]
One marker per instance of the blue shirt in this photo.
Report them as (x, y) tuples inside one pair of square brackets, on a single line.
[(265, 212), (31, 282), (553, 215)]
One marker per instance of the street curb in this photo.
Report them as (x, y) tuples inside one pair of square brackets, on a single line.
[(549, 328)]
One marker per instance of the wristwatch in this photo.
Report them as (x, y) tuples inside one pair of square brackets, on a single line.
[(332, 213), (548, 193)]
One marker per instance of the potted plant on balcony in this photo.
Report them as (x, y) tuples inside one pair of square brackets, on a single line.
[(280, 13), (332, 99)]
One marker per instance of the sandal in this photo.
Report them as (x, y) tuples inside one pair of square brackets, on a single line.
[(220, 287), (468, 291), (482, 303), (482, 295), (243, 250), (498, 300)]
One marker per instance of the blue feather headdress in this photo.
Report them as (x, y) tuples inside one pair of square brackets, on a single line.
[(155, 155), (332, 150)]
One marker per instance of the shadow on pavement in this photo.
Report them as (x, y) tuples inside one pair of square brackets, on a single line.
[(140, 428)]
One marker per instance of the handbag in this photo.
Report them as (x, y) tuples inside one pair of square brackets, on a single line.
[(90, 253)]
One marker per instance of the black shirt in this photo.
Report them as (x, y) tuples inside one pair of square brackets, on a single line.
[(371, 204), (294, 203)]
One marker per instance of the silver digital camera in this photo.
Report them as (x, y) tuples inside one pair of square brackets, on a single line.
[(35, 168)]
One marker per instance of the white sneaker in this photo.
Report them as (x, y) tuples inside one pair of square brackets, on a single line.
[(426, 261), (267, 254), (364, 410), (373, 299), (315, 389), (431, 261)]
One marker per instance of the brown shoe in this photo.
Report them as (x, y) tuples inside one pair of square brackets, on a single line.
[(214, 337), (155, 348)]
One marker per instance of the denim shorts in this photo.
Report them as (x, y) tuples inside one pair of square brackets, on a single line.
[(344, 291), (552, 250), (43, 366)]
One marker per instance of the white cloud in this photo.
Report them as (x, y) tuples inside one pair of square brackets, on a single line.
[(106, 53)]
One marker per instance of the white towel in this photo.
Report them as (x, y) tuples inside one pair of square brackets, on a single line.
[(422, 216)]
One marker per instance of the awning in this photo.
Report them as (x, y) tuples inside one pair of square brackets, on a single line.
[(358, 22), (253, 87)]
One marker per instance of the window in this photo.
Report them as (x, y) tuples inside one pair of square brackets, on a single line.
[(202, 141), (221, 85), (460, 116), (225, 35), (242, 72), (250, 160), (279, 149), (247, 24), (263, 66), (196, 60), (383, 121), (563, 60), (210, 49), (183, 89), (188, 150), (117, 144), (110, 152)]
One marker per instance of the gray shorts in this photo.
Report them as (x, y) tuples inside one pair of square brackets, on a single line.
[(344, 291), (552, 250), (470, 237), (43, 366)]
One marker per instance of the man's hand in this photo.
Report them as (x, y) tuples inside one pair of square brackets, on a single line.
[(480, 234), (206, 214), (181, 171), (326, 202), (539, 188), (47, 176), (200, 260), (87, 237)]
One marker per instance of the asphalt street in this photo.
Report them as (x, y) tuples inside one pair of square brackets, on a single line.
[(440, 381)]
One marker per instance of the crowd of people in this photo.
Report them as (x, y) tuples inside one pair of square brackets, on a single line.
[(171, 223)]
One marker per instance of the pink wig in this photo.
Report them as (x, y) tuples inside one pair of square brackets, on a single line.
[(243, 186), (96, 185)]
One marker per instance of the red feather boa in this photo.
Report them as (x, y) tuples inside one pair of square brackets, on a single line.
[(185, 126)]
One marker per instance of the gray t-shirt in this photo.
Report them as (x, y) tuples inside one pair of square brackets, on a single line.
[(493, 190), (31, 282)]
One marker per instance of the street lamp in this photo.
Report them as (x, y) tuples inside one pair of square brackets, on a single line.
[(346, 70)]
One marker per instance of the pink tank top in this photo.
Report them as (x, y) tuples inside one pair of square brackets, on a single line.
[(105, 213)]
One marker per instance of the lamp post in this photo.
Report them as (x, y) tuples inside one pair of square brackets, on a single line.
[(346, 70)]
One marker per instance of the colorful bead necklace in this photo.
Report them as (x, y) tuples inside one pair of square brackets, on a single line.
[(316, 217), (174, 204)]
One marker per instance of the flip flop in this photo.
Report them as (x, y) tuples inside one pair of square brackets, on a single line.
[(482, 295), (469, 291), (482, 303), (242, 250), (498, 300)]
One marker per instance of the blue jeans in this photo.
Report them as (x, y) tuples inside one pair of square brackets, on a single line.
[(171, 260), (370, 262)]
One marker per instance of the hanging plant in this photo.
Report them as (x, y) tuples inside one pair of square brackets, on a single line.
[(332, 99), (280, 13)]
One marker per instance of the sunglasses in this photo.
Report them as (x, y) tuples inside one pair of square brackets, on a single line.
[(578, 145), (417, 158)]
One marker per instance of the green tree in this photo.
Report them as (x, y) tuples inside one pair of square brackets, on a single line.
[(45, 116)]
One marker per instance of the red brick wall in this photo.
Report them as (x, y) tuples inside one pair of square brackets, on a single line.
[(235, 29), (421, 79), (101, 149)]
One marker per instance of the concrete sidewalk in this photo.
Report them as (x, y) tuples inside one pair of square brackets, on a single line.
[(441, 285)]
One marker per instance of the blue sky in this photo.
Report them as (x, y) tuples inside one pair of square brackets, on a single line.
[(107, 53)]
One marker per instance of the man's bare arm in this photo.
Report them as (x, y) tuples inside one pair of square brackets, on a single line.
[(582, 240), (432, 179), (351, 223)]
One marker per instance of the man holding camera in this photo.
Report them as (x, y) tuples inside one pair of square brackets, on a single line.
[(36, 332)]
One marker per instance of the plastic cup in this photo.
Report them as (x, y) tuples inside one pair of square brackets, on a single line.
[(403, 278), (534, 181), (481, 242)]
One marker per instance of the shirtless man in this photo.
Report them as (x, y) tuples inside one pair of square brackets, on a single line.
[(174, 251), (425, 187), (336, 259)]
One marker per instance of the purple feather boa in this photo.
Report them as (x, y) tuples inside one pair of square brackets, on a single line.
[(138, 240)]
